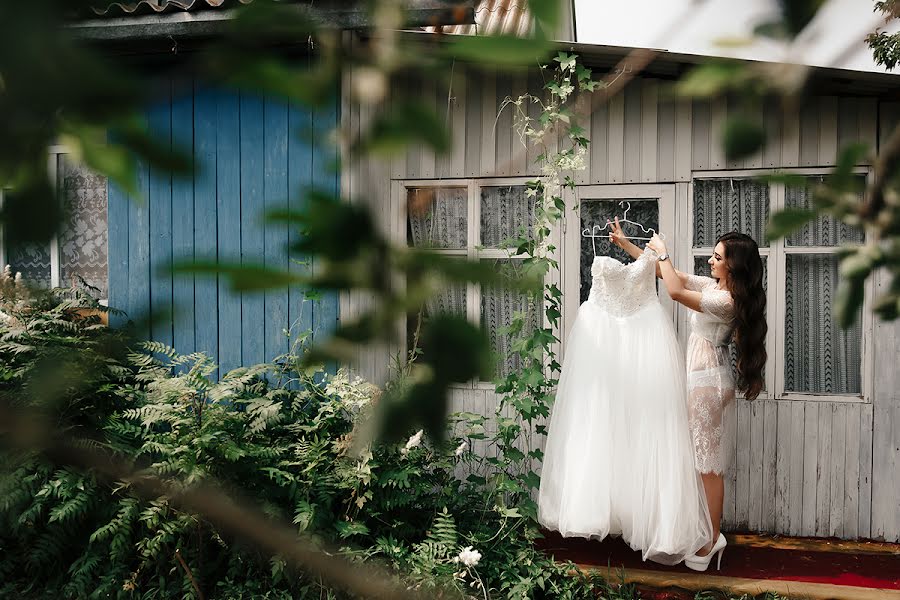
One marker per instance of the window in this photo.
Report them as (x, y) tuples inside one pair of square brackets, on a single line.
[(810, 357), (474, 220), (78, 253)]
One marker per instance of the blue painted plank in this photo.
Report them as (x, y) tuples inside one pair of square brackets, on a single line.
[(138, 306), (300, 312), (206, 297), (252, 232), (276, 236), (228, 216), (183, 225), (117, 250), (159, 119), (326, 176)]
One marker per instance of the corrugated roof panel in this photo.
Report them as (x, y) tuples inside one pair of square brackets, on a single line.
[(146, 7), (493, 17)]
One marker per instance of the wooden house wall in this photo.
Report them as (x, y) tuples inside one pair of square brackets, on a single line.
[(808, 468), (252, 155)]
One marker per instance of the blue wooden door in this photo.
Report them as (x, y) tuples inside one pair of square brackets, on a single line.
[(251, 155)]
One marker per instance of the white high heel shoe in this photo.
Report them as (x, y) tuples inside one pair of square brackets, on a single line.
[(701, 563)]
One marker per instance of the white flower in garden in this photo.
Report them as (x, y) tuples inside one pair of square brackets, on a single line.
[(413, 441), (531, 192), (469, 557), (460, 449)]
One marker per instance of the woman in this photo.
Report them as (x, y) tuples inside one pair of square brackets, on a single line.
[(728, 306)]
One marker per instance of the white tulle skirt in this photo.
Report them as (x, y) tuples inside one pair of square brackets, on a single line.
[(619, 459)]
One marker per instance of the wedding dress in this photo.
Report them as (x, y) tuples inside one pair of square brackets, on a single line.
[(619, 458)]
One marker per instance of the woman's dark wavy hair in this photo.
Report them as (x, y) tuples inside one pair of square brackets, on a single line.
[(745, 273)]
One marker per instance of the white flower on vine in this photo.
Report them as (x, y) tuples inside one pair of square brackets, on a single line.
[(413, 441), (531, 192), (565, 90), (469, 557), (460, 449)]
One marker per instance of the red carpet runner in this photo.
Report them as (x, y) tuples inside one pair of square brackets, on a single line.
[(813, 562)]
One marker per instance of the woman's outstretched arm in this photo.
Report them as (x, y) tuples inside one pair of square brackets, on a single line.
[(673, 278), (618, 238)]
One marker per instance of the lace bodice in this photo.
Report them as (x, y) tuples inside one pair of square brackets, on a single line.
[(715, 321), (624, 289)]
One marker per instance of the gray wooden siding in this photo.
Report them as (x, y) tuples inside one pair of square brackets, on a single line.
[(800, 468)]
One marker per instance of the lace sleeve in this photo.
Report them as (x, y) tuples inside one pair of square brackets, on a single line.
[(717, 303), (697, 283)]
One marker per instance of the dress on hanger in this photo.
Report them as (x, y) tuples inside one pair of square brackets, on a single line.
[(619, 458)]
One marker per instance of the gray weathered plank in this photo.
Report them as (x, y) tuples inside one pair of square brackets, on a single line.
[(790, 138), (850, 514), (475, 132), (866, 424), (700, 135), (599, 147), (838, 466), (770, 457), (772, 125), (615, 139), (795, 485), (489, 106), (809, 134), (666, 138), (718, 117), (810, 468), (649, 130), (684, 120), (823, 471), (828, 133), (633, 132), (742, 486), (757, 444), (782, 466)]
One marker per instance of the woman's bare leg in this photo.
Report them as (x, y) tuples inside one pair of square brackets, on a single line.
[(714, 486)]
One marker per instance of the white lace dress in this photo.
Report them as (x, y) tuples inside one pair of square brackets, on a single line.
[(710, 382), (619, 459)]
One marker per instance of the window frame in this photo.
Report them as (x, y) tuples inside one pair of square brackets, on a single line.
[(473, 251), (776, 256)]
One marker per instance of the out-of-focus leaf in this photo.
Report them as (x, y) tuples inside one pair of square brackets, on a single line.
[(771, 29), (89, 145), (798, 13), (785, 179), (132, 134), (502, 50), (409, 122), (31, 214), (787, 221), (842, 178), (710, 79), (546, 13), (458, 347), (848, 301), (313, 86), (242, 277), (742, 138)]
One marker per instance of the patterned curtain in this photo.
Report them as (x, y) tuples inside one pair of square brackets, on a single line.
[(83, 238), (437, 217), (32, 261), (723, 205), (596, 212), (498, 305), (826, 230), (820, 357), (506, 213)]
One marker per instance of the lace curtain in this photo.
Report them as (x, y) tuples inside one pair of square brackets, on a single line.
[(498, 305), (83, 238), (723, 205), (437, 217), (596, 212), (819, 356), (32, 261), (506, 213), (825, 230)]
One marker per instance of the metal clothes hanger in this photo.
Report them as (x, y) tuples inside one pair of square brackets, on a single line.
[(591, 234)]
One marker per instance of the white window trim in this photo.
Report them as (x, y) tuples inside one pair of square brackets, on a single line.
[(775, 255), (473, 250)]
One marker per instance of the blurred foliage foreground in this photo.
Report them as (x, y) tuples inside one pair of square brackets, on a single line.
[(279, 438)]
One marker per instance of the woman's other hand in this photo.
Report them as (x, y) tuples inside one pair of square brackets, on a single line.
[(617, 236), (657, 245)]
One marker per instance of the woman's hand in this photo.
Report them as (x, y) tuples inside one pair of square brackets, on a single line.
[(617, 236), (657, 245)]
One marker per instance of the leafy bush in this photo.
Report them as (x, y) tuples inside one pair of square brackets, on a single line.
[(289, 442)]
